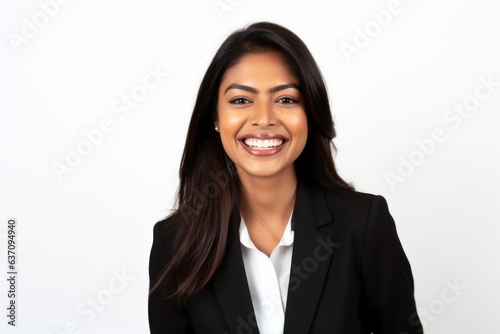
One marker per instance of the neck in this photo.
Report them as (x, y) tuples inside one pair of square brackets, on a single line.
[(268, 199)]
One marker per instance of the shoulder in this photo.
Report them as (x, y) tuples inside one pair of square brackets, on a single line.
[(353, 201), (321, 204), (360, 213), (164, 233), (346, 197)]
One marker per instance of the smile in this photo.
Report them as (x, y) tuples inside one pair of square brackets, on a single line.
[(263, 143)]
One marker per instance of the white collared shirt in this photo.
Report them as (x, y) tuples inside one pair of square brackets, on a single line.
[(268, 279)]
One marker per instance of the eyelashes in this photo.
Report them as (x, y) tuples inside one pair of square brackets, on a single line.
[(282, 100), (239, 100), (287, 100)]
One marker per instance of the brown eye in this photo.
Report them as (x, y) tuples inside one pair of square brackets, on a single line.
[(287, 100), (239, 100)]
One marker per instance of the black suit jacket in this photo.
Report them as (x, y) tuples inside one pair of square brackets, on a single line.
[(349, 274)]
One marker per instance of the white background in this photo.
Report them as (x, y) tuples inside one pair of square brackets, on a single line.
[(76, 233)]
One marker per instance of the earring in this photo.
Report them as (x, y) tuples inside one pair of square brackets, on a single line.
[(216, 128)]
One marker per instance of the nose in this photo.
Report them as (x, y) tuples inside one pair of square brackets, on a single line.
[(263, 115)]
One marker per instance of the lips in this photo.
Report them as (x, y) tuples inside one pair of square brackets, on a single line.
[(263, 144)]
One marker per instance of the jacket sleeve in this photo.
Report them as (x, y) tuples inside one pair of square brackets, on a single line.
[(166, 316), (387, 280)]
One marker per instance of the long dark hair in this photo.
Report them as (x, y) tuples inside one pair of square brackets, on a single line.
[(209, 185)]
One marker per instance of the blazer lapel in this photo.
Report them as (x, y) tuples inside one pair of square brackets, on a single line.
[(231, 286), (312, 254)]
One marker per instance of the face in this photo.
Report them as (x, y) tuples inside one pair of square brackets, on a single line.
[(261, 116)]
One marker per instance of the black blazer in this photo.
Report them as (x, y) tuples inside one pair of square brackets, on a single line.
[(349, 274)]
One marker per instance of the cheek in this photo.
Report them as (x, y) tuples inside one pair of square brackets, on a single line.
[(298, 126), (228, 119), (229, 125)]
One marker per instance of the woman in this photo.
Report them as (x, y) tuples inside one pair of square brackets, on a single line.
[(267, 238)]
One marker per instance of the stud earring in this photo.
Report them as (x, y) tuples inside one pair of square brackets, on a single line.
[(216, 128)]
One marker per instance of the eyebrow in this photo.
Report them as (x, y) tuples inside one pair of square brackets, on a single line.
[(255, 91)]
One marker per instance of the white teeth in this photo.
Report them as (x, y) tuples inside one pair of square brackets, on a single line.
[(266, 143)]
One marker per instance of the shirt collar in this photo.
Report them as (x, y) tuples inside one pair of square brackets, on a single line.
[(286, 239)]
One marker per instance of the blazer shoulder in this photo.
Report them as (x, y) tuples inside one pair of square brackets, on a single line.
[(164, 232), (349, 195), (352, 199), (355, 206), (163, 226)]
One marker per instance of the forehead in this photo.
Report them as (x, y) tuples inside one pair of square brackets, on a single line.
[(264, 67)]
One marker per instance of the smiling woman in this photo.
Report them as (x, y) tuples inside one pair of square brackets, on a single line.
[(281, 244), (261, 116)]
